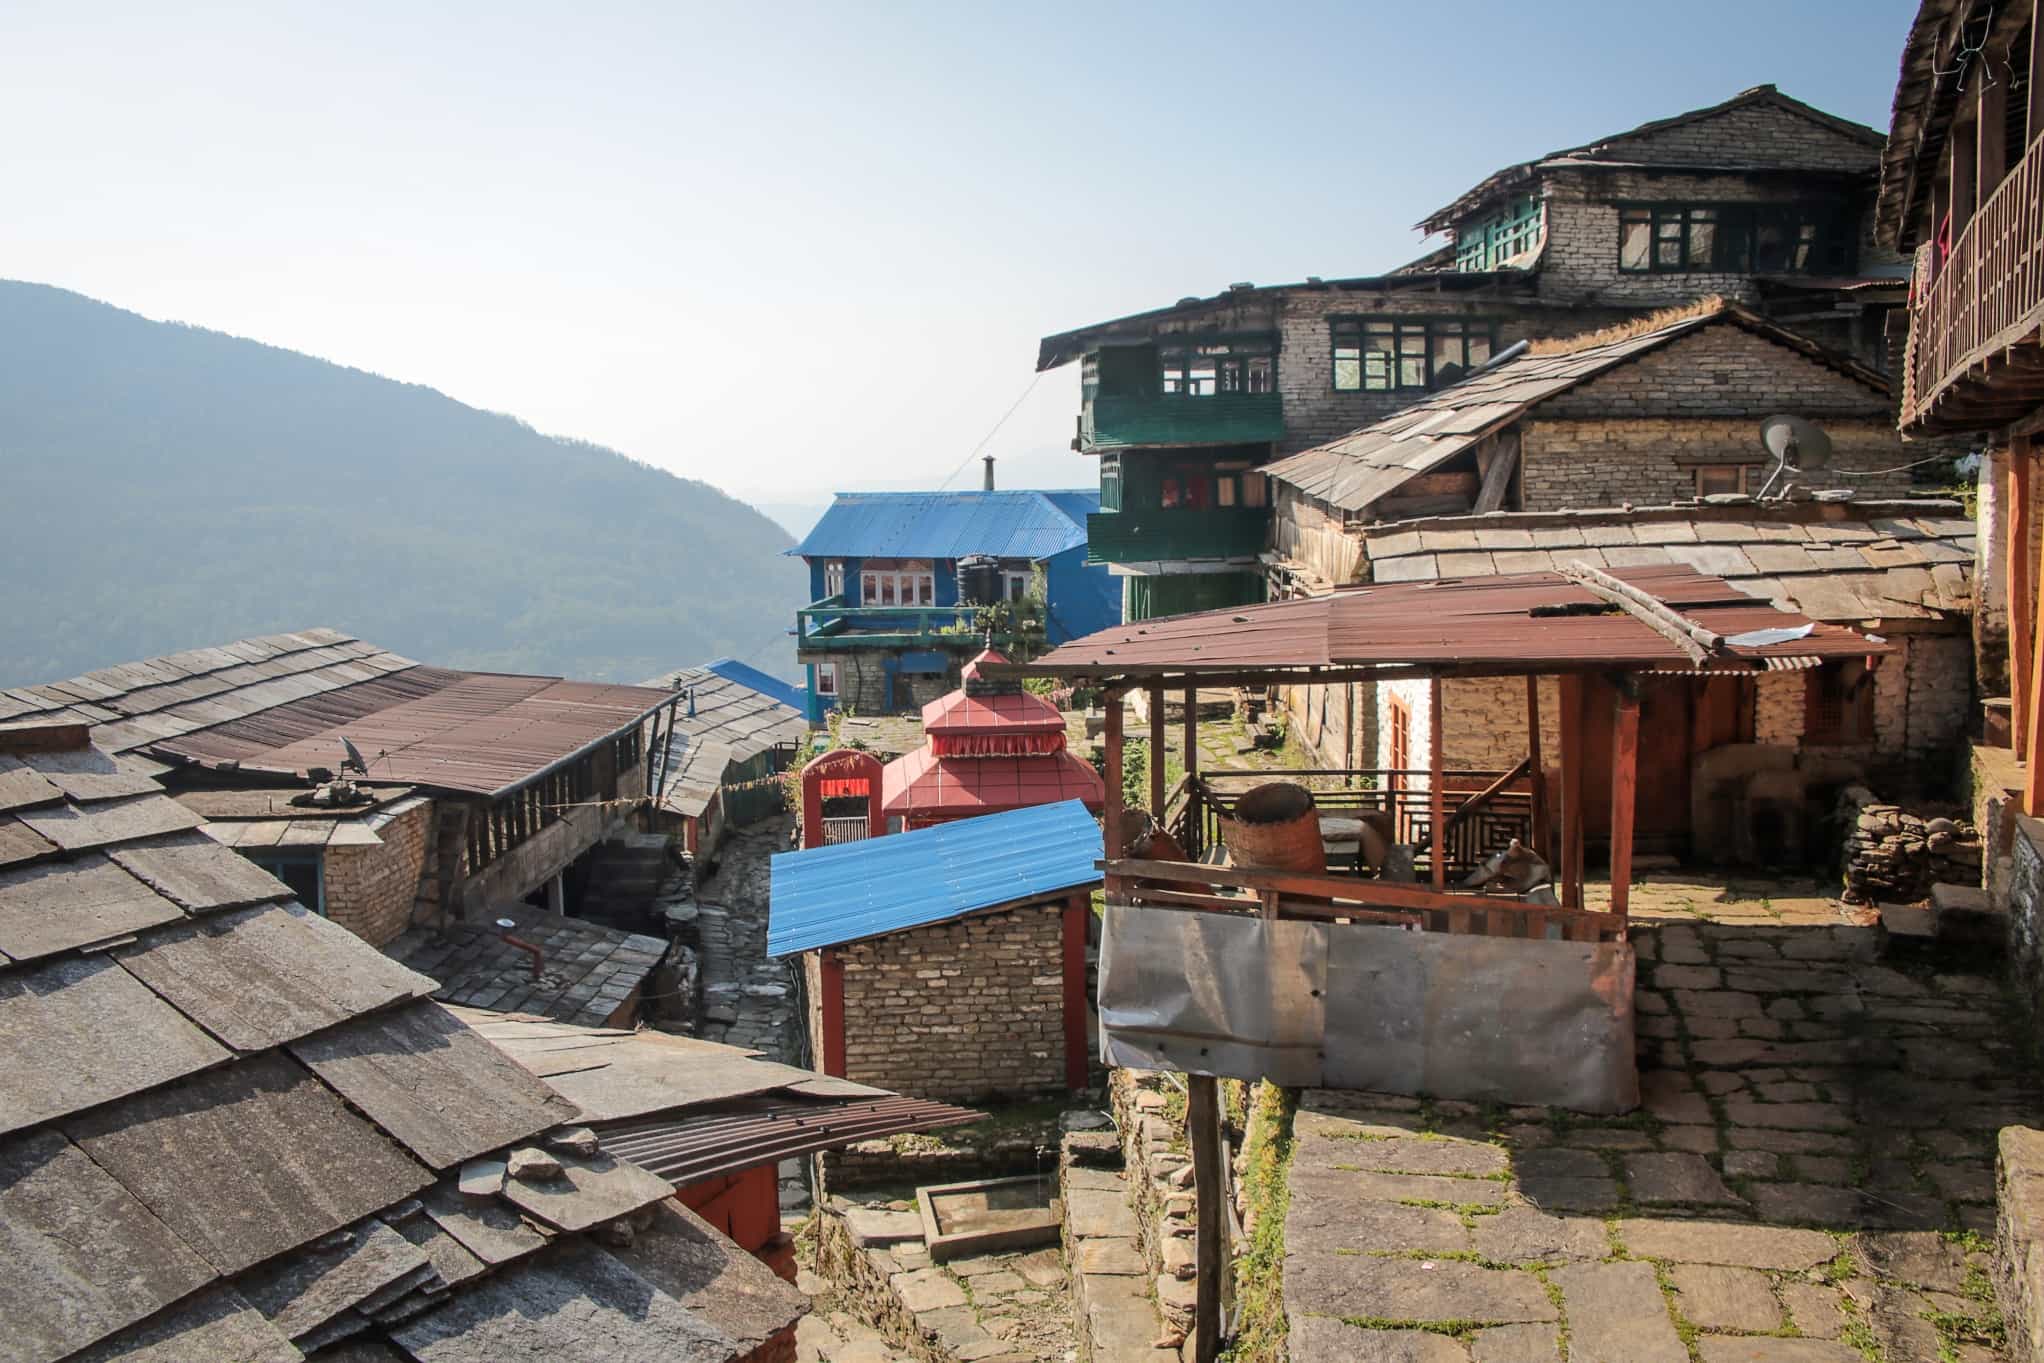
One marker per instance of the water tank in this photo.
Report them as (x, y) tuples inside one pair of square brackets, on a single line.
[(979, 580)]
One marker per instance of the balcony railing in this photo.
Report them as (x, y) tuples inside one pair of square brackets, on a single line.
[(1147, 536), (830, 624), (1111, 423), (1500, 809), (1986, 298)]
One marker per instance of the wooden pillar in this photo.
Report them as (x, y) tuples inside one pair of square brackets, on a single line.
[(1960, 165), (2033, 749), (2022, 624), (1437, 794), (1191, 733), (832, 1008), (1112, 824), (1571, 791), (2035, 126), (1624, 797), (1157, 746), (1990, 136), (1210, 1249), (1536, 776), (1078, 909)]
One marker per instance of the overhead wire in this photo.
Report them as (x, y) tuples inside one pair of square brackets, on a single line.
[(987, 439)]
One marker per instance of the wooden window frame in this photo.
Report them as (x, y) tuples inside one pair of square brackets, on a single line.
[(1750, 477), (1490, 241), (1240, 365), (827, 680), (1820, 239), (1838, 705), (1412, 339)]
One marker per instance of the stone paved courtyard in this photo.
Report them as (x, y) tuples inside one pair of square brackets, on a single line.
[(1810, 1179)]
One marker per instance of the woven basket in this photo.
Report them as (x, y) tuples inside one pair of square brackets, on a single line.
[(1275, 828)]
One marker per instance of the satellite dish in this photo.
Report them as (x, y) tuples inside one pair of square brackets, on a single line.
[(1798, 443), (355, 759), (1795, 443)]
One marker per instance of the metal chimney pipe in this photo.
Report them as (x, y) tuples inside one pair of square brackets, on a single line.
[(989, 461)]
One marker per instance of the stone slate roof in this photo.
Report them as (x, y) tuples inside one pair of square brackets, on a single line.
[(229, 1129), (733, 722), (1841, 563), (1359, 468), (587, 972)]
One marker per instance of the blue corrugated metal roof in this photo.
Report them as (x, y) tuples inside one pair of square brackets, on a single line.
[(1015, 523), (746, 675), (826, 896)]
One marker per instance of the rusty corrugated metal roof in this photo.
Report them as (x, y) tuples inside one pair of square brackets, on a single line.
[(1484, 625), (696, 1144)]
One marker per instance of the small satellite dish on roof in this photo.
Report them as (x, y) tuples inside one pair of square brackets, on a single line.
[(355, 760), (1796, 443)]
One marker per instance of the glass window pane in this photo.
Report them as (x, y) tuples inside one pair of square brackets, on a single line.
[(1412, 371), (1201, 380), (1703, 237), (1348, 371), (1632, 245), (1377, 371), (1255, 491), (1448, 355), (1479, 348), (1224, 491), (1262, 374)]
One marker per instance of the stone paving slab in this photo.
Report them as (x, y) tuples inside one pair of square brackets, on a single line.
[(1809, 1180)]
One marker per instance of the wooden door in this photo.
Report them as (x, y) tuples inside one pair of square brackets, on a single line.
[(1661, 807)]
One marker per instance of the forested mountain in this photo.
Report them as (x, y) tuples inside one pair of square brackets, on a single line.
[(165, 487)]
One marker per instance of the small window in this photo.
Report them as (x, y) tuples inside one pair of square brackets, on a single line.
[(1719, 478), (1224, 490), (1208, 368), (1736, 238), (834, 577), (826, 679), (1167, 493), (304, 872), (1017, 583), (869, 588), (1255, 490), (1839, 704)]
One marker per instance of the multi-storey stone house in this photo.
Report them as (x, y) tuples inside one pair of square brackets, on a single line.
[(1762, 200)]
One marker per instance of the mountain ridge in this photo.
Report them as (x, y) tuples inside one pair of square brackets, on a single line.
[(174, 486)]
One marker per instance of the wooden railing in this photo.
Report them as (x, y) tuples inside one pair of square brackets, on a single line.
[(1987, 295), (1193, 812), (1285, 894)]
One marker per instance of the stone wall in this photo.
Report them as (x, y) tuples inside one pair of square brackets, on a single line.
[(1893, 855), (2019, 1240), (959, 1011), (370, 889), (1652, 461), (2026, 911), (862, 682)]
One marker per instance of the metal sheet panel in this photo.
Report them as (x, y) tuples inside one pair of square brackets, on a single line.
[(441, 1090), (81, 1031), (825, 896), (79, 1257), (240, 1162), (1372, 1007), (948, 525)]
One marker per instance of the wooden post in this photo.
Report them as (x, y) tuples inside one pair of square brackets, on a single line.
[(2035, 127), (1210, 1250), (2033, 751), (1571, 791), (1191, 733), (832, 1007), (1437, 795), (1990, 135), (1624, 796), (1111, 823), (1959, 166), (2017, 519), (1536, 778), (1157, 754), (1078, 909)]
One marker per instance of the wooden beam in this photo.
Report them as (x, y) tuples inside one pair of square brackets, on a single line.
[(2033, 751), (1078, 910), (1111, 820), (1192, 731), (1624, 798), (831, 970), (1157, 751), (1210, 1227), (1572, 792), (2035, 127), (1437, 795), (1990, 151), (1537, 774), (1696, 642), (1475, 803), (1497, 478), (1959, 159), (2017, 555)]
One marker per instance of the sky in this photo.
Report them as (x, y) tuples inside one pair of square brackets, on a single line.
[(789, 249)]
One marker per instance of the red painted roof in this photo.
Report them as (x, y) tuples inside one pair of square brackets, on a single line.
[(1014, 712), (923, 783)]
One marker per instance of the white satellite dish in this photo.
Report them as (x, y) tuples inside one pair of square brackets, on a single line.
[(1796, 443)]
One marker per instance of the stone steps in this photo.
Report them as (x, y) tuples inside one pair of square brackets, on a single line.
[(1112, 1303)]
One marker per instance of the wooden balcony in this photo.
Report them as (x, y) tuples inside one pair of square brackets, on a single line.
[(1974, 361), (830, 625)]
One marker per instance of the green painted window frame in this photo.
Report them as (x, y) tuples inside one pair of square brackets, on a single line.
[(1110, 481), (1487, 243), (1217, 366), (1393, 354), (1736, 238)]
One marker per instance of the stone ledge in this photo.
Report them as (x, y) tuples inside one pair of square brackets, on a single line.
[(2019, 1241)]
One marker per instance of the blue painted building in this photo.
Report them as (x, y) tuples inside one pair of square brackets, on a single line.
[(887, 629)]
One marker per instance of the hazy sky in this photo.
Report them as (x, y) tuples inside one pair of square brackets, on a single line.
[(788, 248)]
